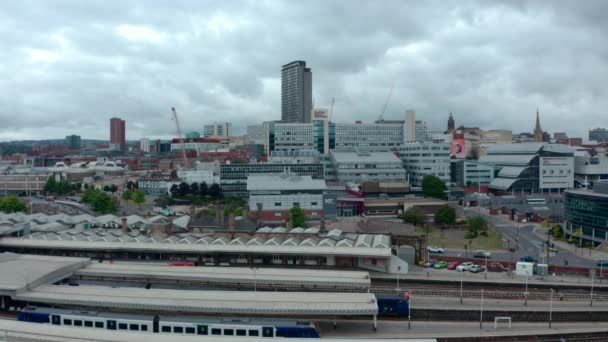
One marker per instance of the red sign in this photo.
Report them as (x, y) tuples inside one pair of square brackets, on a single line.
[(407, 294)]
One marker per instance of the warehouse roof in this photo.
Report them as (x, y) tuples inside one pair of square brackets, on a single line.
[(211, 302), (20, 272), (242, 275)]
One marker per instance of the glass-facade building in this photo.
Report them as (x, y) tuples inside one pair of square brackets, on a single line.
[(586, 213)]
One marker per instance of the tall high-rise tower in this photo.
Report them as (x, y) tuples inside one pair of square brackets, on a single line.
[(296, 92), (538, 132), (451, 124), (410, 125), (117, 134)]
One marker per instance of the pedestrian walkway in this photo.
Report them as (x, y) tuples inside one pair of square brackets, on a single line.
[(587, 253)]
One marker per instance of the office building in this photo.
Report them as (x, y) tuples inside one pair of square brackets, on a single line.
[(589, 167), (322, 136), (420, 131), (296, 92), (222, 129), (472, 173), (428, 158), (73, 141), (598, 134), (530, 167), (362, 166), (233, 177), (144, 145), (117, 134), (586, 213), (275, 195), (410, 126)]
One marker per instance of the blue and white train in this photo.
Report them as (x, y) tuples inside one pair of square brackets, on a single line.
[(170, 325)]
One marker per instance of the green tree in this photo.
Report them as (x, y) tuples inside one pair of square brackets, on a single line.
[(127, 195), (194, 189), (12, 204), (445, 215), (113, 188), (214, 191), (174, 190), (478, 224), (414, 215), (433, 187), (106, 188), (139, 197), (100, 201), (203, 189), (298, 217), (183, 189), (50, 186)]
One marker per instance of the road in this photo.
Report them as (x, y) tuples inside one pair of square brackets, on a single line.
[(524, 240)]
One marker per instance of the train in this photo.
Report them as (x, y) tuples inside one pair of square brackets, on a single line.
[(205, 326), (392, 305)]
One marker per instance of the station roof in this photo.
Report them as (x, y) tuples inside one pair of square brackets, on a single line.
[(20, 272), (279, 242), (371, 157), (242, 275), (208, 302)]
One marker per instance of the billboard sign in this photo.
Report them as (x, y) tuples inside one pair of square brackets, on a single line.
[(459, 149), (320, 114)]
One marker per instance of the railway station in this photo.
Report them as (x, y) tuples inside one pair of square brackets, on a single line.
[(227, 276), (102, 238)]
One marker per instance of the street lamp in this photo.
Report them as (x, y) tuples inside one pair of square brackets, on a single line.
[(255, 278), (461, 274), (551, 308), (481, 312), (526, 292)]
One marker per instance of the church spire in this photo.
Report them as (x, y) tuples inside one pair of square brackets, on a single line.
[(538, 132)]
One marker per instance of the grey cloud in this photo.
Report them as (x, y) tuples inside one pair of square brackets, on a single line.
[(490, 63)]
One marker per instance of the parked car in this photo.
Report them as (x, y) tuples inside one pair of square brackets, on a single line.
[(440, 264), (434, 249), (429, 263), (602, 263), (496, 267), (476, 268), (465, 266), (482, 254), (527, 258), (452, 265)]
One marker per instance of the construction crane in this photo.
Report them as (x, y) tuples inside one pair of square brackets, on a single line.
[(388, 99), (331, 108), (181, 139)]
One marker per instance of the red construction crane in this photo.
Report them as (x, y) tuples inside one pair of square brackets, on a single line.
[(181, 139)]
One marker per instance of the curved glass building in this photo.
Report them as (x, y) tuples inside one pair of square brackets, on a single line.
[(586, 213)]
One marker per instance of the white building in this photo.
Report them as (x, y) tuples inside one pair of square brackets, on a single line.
[(217, 129), (420, 131), (426, 159), (198, 176), (589, 168), (144, 145), (275, 195), (362, 166)]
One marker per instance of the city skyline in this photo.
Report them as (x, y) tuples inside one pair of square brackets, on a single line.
[(67, 73)]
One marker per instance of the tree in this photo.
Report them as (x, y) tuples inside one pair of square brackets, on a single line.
[(203, 189), (445, 215), (174, 190), (194, 189), (184, 189), (106, 188), (11, 204), (127, 195), (50, 185), (478, 224), (214, 191), (298, 217), (113, 188), (139, 197), (414, 215), (433, 187), (100, 202)]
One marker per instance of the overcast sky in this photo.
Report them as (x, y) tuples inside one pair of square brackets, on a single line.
[(67, 67)]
